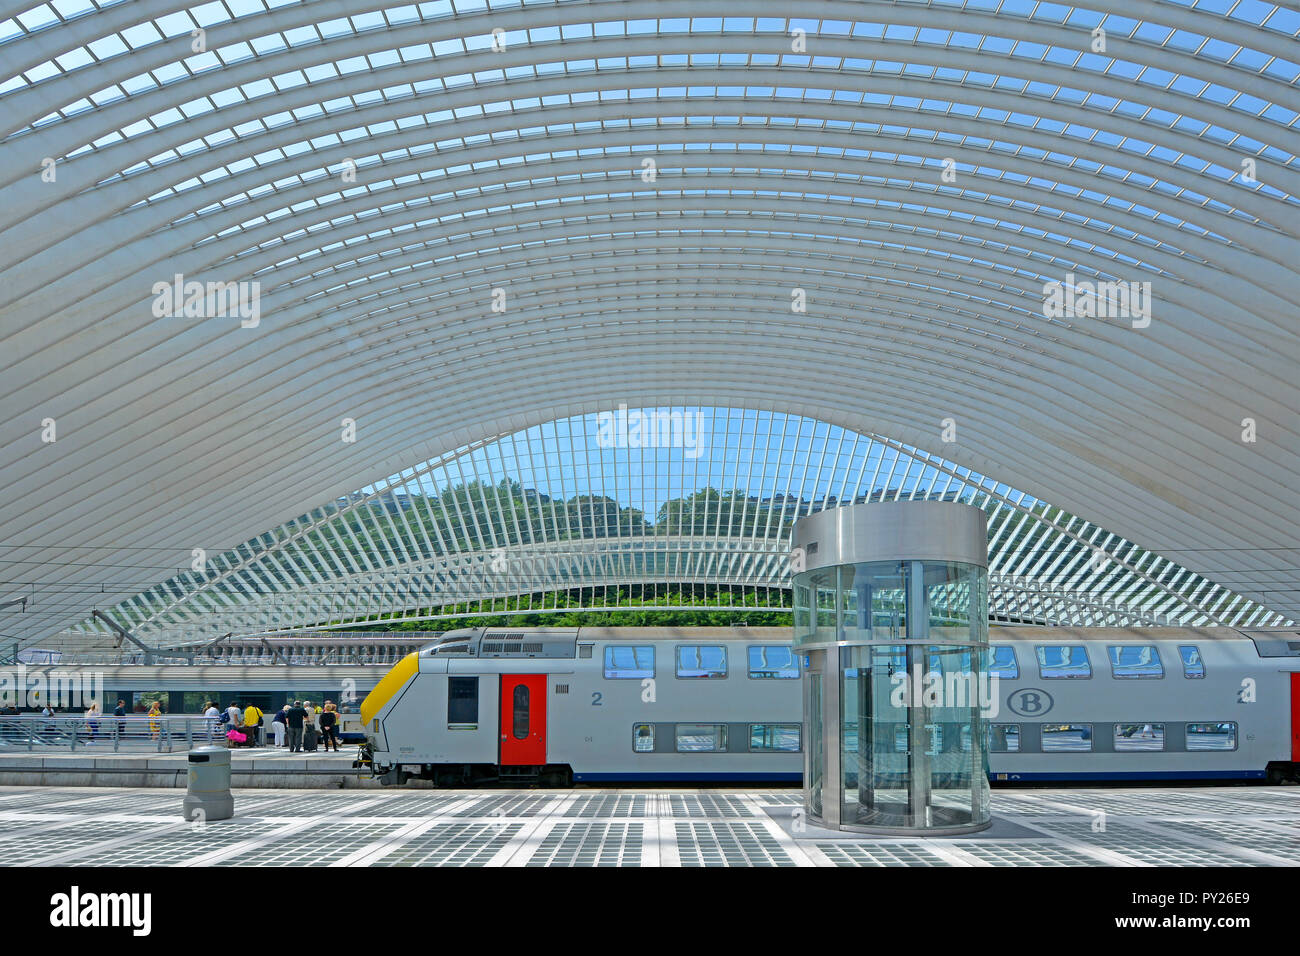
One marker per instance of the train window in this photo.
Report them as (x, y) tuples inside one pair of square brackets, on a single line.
[(783, 738), (1002, 662), (1193, 666), (701, 738), (1063, 660), (462, 700), (1004, 738), (773, 662), (643, 738), (629, 661), (1214, 736), (964, 738), (1066, 738), (901, 743), (1135, 661), (520, 712), (1130, 738), (701, 660)]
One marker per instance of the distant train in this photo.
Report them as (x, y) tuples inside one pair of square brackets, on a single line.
[(557, 705)]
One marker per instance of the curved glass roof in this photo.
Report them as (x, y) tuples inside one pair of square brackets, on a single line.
[(465, 219)]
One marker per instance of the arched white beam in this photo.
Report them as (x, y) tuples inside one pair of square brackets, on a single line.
[(140, 225), (220, 372), (77, 177), (36, 101), (75, 297), (52, 42), (59, 139)]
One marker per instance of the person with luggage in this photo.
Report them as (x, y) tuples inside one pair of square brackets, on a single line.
[(253, 724), (234, 723), (295, 717), (329, 720), (309, 727)]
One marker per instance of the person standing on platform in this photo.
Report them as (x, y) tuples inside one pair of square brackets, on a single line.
[(277, 725), (234, 720), (120, 711), (295, 717), (213, 716), (329, 720), (253, 724), (92, 720), (155, 718), (309, 727)]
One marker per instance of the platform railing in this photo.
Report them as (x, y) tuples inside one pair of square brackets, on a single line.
[(242, 656), (108, 734)]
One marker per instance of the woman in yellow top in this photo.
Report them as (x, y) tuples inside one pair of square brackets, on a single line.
[(155, 725)]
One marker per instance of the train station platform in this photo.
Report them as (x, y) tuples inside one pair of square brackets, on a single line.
[(1221, 826), (250, 767)]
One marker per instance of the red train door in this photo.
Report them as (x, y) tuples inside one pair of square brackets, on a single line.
[(523, 720), (1295, 717)]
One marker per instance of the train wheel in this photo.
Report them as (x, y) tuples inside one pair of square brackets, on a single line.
[(557, 777)]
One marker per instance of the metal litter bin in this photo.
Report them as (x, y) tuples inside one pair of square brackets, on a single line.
[(209, 797)]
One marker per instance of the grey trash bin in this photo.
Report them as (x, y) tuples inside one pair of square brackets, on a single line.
[(209, 797)]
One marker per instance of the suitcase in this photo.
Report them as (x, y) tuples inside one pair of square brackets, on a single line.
[(309, 738)]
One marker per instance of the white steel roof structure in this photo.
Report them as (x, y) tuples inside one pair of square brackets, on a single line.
[(563, 516), (468, 219)]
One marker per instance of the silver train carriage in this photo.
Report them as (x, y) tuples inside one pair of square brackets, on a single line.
[(560, 705)]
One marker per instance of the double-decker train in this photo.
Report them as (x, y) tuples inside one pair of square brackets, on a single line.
[(560, 705)]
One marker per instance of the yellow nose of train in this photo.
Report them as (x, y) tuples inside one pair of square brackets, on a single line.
[(389, 685)]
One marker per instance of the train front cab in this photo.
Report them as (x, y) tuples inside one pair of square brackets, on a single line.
[(454, 724)]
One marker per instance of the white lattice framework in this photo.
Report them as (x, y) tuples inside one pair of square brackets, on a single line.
[(921, 170), (568, 510)]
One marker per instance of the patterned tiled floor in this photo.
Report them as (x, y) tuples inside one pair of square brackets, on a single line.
[(1223, 826)]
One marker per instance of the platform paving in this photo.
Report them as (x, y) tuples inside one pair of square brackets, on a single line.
[(1224, 826), (250, 767)]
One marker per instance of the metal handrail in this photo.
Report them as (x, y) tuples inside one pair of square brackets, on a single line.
[(135, 733)]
